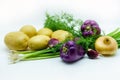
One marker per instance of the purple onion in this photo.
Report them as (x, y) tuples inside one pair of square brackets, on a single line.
[(52, 42), (89, 28), (71, 52), (92, 54)]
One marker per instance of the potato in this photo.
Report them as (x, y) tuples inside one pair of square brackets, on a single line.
[(29, 30), (45, 31), (61, 35), (38, 42), (16, 41)]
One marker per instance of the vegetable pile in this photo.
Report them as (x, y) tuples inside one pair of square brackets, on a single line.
[(62, 36)]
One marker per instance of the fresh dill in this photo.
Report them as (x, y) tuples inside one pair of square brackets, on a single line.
[(63, 21)]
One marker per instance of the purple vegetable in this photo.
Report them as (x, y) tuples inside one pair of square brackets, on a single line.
[(52, 42), (92, 54), (71, 52), (89, 28)]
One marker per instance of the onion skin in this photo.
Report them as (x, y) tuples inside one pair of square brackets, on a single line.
[(92, 54), (106, 45), (89, 28), (52, 42), (71, 52)]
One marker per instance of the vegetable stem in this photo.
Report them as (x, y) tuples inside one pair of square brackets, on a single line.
[(36, 53), (116, 35), (43, 57), (113, 32)]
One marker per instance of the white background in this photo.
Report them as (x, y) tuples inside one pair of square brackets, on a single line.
[(16, 13)]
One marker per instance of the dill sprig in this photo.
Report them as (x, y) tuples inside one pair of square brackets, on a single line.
[(64, 21), (88, 42)]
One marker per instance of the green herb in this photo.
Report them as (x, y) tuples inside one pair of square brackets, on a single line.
[(88, 42), (65, 22)]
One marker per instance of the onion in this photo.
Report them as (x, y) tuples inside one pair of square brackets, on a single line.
[(89, 28), (92, 54), (52, 42), (71, 52)]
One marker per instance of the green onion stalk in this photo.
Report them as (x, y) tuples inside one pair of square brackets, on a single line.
[(16, 56), (116, 35)]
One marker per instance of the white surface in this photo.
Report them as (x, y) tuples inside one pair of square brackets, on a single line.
[(15, 13)]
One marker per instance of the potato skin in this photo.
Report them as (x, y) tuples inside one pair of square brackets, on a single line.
[(38, 42), (61, 35), (45, 31), (29, 30), (16, 41)]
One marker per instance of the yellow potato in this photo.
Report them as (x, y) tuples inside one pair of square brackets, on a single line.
[(61, 35), (16, 41), (29, 30), (38, 42), (45, 31)]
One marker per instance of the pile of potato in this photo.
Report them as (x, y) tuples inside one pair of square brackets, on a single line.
[(29, 38)]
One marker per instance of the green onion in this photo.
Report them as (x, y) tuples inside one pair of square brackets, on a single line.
[(116, 35), (16, 56)]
